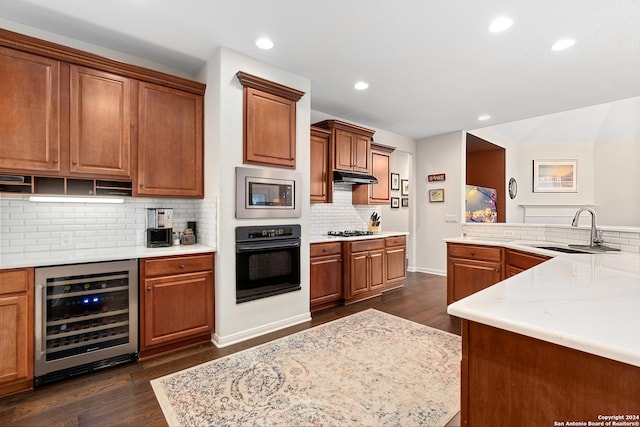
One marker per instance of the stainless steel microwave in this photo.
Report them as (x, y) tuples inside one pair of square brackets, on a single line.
[(267, 193)]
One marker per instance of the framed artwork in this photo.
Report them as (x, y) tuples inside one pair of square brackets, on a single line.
[(436, 195), (555, 176), (405, 187), (395, 202), (395, 181), (436, 177), (405, 202)]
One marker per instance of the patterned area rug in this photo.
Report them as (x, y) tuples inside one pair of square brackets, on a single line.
[(367, 369)]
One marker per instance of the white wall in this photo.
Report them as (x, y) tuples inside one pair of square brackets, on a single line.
[(434, 155), (223, 153)]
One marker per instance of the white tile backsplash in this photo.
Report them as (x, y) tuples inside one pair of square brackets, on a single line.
[(35, 226), (341, 214), (628, 241)]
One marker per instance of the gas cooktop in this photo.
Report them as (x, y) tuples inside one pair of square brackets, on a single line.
[(349, 233)]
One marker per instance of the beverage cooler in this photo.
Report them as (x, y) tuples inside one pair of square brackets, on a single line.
[(86, 318)]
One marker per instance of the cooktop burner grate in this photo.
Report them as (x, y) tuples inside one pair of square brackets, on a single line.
[(349, 233)]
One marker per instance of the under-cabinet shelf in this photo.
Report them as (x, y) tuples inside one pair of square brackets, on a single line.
[(30, 184)]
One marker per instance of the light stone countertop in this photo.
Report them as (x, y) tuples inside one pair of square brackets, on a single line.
[(323, 238), (47, 258), (588, 302)]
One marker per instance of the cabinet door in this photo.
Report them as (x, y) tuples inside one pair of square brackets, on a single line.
[(29, 112), (359, 277), (270, 129), (177, 307), (396, 259), (468, 277), (170, 142), (326, 279), (16, 355), (343, 146), (100, 115), (380, 169), (360, 153), (320, 188), (376, 269)]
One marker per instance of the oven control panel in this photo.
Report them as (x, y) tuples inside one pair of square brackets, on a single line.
[(277, 232)]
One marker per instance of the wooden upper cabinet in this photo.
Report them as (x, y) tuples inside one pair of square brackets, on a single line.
[(170, 142), (269, 120), (350, 146), (100, 117), (321, 187), (371, 194), (29, 112)]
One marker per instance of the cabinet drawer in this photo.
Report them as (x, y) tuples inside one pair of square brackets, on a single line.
[(321, 249), (12, 281), (164, 266), (524, 260), (367, 245), (396, 241), (486, 253)]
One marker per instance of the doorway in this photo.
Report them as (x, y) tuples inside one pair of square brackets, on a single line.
[(486, 168)]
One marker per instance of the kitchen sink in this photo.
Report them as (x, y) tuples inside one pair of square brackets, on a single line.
[(563, 249)]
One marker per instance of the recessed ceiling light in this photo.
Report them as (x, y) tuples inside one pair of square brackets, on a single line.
[(563, 44), (484, 117), (361, 85), (499, 24), (264, 43)]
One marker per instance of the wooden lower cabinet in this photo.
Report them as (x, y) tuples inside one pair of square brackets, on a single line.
[(16, 330), (326, 275), (372, 266), (510, 379), (364, 272), (396, 256), (176, 302), (518, 261), (471, 268)]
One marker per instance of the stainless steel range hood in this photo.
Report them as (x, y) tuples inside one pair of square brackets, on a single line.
[(353, 178)]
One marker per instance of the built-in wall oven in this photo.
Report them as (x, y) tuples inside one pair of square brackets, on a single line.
[(267, 261), (86, 318)]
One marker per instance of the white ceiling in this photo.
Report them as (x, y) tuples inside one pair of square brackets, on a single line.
[(432, 65)]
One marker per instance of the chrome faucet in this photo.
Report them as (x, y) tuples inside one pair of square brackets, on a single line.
[(596, 240)]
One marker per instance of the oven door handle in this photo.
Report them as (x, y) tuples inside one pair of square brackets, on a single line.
[(246, 247)]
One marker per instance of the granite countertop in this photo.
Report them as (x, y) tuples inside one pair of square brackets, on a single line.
[(323, 238), (587, 302), (47, 258)]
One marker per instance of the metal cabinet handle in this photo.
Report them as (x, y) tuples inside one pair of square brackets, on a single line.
[(497, 270), (148, 288), (325, 250), (473, 253), (55, 160), (181, 265), (141, 185), (75, 162)]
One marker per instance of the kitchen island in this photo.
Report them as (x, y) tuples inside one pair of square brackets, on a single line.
[(554, 345)]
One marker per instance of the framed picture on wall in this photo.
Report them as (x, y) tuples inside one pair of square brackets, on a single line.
[(395, 202), (405, 202), (436, 195), (555, 176), (395, 181), (405, 187)]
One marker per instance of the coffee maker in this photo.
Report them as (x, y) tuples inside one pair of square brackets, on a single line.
[(159, 227)]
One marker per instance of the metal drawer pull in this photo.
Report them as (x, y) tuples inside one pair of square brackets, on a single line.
[(181, 265)]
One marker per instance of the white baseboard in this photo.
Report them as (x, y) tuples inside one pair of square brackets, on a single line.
[(219, 341), (429, 271)]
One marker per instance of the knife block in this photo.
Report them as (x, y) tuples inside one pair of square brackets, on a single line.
[(373, 228)]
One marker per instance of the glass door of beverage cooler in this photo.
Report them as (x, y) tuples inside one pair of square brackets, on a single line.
[(86, 318)]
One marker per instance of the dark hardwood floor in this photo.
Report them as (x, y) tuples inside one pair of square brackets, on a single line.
[(123, 396)]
